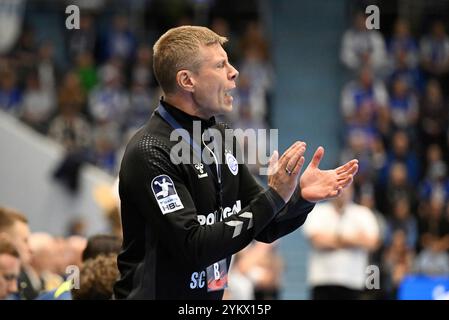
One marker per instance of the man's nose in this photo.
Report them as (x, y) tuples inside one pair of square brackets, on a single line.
[(233, 74)]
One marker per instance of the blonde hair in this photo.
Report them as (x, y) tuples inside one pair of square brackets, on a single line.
[(178, 49), (9, 216)]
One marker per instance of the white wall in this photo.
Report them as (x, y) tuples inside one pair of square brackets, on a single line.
[(27, 161)]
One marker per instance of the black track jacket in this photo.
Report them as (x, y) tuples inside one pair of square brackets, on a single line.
[(177, 244)]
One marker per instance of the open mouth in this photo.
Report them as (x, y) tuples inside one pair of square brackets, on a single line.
[(228, 93)]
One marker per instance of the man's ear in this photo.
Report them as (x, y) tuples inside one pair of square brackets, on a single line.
[(185, 80)]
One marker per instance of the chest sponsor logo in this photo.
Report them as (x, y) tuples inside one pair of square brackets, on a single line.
[(210, 218), (232, 163), (200, 168), (165, 193)]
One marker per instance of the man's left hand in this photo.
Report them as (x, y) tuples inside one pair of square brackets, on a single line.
[(317, 184)]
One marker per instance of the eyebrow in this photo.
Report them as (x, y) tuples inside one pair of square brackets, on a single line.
[(10, 276)]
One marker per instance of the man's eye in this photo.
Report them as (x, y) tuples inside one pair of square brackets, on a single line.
[(221, 65)]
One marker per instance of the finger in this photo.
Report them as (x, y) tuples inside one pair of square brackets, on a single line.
[(296, 145), (298, 153), (289, 154), (291, 164), (298, 166), (353, 170), (346, 166), (286, 152), (346, 182), (342, 177), (273, 163), (319, 153)]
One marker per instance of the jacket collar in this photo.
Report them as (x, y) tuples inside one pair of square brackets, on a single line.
[(186, 120)]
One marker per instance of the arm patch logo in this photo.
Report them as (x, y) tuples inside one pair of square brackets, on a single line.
[(165, 193)]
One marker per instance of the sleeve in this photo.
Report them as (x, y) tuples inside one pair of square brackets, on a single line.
[(290, 218), (172, 214), (287, 220)]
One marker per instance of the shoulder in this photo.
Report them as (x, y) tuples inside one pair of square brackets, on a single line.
[(147, 150)]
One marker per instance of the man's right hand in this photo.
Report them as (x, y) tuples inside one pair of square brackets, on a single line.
[(283, 172)]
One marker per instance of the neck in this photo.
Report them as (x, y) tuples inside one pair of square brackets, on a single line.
[(186, 104)]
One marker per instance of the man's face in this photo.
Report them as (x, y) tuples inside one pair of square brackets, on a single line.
[(20, 234), (214, 81), (9, 273)]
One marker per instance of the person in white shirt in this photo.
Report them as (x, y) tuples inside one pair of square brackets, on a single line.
[(342, 233), (361, 47)]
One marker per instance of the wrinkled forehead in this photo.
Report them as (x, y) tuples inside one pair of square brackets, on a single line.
[(212, 53)]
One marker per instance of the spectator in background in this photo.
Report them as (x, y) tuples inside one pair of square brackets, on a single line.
[(397, 261), (403, 106), (71, 130), (14, 226), (9, 268), (402, 152), (342, 234), (71, 92), (24, 54), (141, 98), (256, 68), (403, 57), (433, 258), (403, 45), (46, 67), (109, 101), (86, 72), (83, 41), (240, 286), (364, 102), (97, 278), (435, 54), (69, 127), (434, 114), (119, 41), (362, 47), (142, 71), (398, 185), (98, 247), (435, 182), (10, 93), (403, 220), (38, 104), (265, 271), (74, 248), (42, 253)]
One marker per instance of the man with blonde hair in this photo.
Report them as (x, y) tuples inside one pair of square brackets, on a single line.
[(9, 268), (178, 244), (14, 227)]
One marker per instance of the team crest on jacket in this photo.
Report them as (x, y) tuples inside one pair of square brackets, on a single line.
[(200, 168), (165, 193), (232, 163)]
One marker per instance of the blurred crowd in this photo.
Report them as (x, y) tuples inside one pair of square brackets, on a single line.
[(44, 267), (91, 104), (105, 89), (395, 110)]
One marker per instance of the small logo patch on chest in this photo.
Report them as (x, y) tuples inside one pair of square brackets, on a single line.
[(232, 163), (200, 168)]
